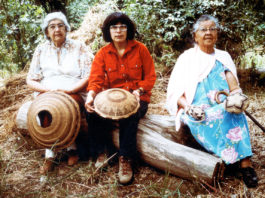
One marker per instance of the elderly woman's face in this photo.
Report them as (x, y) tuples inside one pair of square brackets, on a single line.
[(206, 35), (56, 31)]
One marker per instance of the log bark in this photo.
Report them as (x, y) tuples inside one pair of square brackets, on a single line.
[(156, 143), (159, 145)]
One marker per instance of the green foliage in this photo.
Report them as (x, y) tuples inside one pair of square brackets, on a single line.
[(165, 25), (20, 33), (253, 59)]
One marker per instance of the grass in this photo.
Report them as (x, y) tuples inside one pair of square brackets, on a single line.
[(21, 159)]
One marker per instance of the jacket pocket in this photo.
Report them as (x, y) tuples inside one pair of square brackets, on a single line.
[(111, 71), (136, 70)]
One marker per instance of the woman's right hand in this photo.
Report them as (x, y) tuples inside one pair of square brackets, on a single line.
[(36, 86), (89, 101)]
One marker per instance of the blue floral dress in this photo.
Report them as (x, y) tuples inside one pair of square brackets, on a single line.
[(222, 133)]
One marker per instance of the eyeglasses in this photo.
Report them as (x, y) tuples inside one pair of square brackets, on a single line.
[(115, 28), (204, 30), (53, 26)]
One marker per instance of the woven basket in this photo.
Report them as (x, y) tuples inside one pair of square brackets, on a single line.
[(65, 124), (115, 104)]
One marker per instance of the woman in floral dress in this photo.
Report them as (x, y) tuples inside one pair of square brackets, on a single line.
[(198, 75)]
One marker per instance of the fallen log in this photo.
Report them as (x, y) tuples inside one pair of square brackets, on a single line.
[(157, 147), (157, 143)]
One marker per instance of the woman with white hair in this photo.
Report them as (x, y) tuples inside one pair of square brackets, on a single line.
[(59, 64), (200, 74)]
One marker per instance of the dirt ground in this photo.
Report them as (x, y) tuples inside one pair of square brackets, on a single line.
[(21, 159)]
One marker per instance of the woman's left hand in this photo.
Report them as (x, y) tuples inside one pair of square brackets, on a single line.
[(136, 93)]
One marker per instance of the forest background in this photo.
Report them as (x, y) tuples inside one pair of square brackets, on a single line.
[(164, 26)]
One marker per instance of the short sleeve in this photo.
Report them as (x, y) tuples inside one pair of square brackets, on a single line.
[(35, 72), (226, 69)]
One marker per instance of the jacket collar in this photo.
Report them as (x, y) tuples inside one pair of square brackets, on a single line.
[(131, 44)]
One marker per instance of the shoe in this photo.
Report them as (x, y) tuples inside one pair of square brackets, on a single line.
[(101, 161), (249, 177), (72, 160), (125, 170), (232, 169), (47, 166)]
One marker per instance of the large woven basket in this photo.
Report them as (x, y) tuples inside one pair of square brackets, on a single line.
[(65, 124), (116, 104)]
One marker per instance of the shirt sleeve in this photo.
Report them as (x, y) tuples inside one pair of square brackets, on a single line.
[(97, 74), (149, 75), (35, 71), (86, 58)]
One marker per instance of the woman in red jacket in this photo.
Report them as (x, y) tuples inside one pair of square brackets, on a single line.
[(123, 63)]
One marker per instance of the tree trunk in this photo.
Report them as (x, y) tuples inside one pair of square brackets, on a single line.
[(157, 143), (52, 6)]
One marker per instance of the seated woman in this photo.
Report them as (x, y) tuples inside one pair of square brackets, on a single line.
[(59, 64), (123, 63), (198, 75)]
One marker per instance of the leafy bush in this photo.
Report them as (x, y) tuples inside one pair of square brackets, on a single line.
[(20, 33), (254, 59), (165, 25)]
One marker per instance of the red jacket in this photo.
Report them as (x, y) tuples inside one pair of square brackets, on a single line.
[(133, 70)]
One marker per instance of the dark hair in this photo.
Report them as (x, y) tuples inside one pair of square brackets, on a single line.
[(113, 19)]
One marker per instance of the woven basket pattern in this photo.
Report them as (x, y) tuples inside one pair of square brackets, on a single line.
[(66, 119)]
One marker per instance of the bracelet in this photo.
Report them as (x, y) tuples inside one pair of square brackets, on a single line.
[(234, 91)]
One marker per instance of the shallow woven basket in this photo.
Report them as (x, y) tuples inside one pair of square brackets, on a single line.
[(65, 124), (115, 104)]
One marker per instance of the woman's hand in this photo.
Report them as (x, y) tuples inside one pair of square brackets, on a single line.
[(36, 86), (182, 102), (89, 101), (136, 93)]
